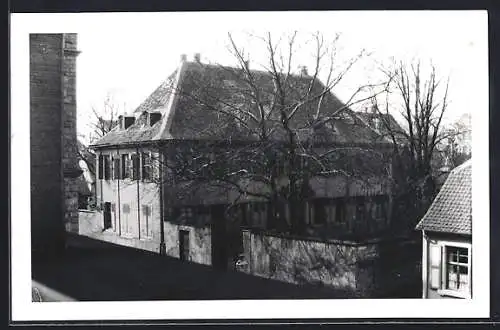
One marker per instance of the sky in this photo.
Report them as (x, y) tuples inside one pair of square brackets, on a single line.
[(127, 55)]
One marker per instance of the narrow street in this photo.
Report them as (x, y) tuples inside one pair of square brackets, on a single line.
[(92, 270)]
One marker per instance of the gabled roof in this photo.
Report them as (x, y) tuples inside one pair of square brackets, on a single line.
[(188, 96), (451, 210)]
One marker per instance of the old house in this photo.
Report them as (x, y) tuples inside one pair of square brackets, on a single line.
[(54, 165), (159, 192), (447, 238)]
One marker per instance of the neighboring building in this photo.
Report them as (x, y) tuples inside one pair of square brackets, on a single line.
[(86, 182), (145, 202), (447, 238), (54, 164), (85, 192), (464, 140), (384, 124)]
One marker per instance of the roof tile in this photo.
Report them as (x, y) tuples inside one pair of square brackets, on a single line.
[(451, 210)]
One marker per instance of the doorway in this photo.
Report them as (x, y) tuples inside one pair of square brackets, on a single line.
[(107, 215), (183, 245)]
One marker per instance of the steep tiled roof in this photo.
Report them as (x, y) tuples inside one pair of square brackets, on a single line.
[(451, 211), (140, 131), (187, 98)]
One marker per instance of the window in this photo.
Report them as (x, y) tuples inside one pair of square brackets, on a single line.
[(340, 212), (126, 208), (449, 269), (116, 168), (457, 268), (125, 166), (107, 167), (360, 210), (146, 213), (203, 215), (146, 166), (183, 214), (257, 214), (321, 213), (135, 167), (328, 211)]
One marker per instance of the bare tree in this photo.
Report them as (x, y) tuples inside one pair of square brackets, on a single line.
[(421, 98), (102, 120), (273, 128)]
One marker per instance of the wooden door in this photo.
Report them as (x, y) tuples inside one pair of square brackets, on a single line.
[(183, 244)]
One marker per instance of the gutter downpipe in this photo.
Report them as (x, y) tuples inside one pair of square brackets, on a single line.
[(138, 163), (162, 230), (425, 279), (119, 202)]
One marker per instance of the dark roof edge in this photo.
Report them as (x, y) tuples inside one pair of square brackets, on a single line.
[(132, 143)]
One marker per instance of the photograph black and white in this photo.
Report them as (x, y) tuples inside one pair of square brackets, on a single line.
[(314, 157)]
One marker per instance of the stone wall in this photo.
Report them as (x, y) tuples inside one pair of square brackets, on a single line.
[(350, 267), (89, 222), (200, 244)]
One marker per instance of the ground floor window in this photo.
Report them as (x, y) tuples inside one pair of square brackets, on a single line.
[(328, 211), (450, 268), (457, 268)]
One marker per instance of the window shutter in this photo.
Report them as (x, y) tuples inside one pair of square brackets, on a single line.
[(131, 166), (125, 166), (135, 166), (156, 164), (100, 166), (435, 255)]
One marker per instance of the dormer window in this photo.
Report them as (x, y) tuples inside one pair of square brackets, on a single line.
[(126, 121), (346, 118), (153, 118)]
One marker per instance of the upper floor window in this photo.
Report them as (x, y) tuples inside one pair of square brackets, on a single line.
[(135, 166), (116, 168), (125, 166), (146, 166), (107, 167)]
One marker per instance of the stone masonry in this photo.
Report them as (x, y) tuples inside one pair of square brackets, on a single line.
[(52, 140), (71, 170)]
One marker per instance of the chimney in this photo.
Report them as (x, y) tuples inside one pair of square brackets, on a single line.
[(247, 64), (197, 57), (120, 121), (374, 108), (303, 70), (183, 57)]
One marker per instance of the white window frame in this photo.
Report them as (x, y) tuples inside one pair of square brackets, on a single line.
[(442, 289)]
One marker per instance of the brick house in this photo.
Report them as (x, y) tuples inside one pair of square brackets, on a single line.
[(53, 156), (447, 238), (147, 201)]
